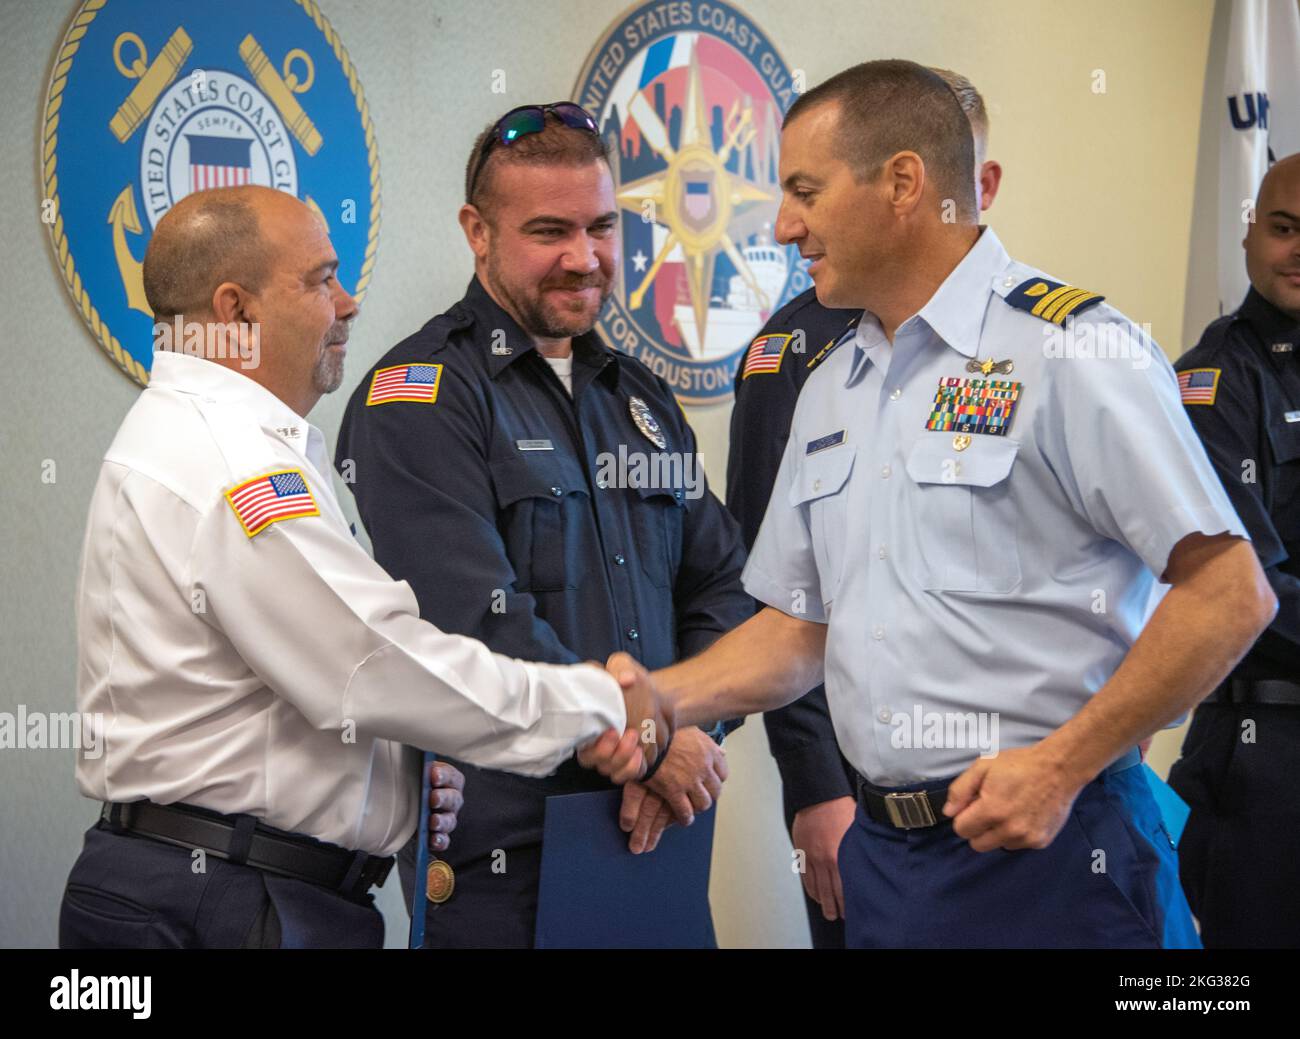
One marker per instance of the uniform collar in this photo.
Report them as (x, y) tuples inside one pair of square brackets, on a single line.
[(955, 313), (1273, 327), (505, 350), (214, 383)]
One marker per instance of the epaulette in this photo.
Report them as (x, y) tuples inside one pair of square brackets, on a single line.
[(439, 330), (1051, 300)]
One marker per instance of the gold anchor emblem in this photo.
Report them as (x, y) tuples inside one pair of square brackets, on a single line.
[(153, 78), (281, 86)]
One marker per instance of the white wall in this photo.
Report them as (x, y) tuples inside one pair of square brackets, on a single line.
[(1098, 190)]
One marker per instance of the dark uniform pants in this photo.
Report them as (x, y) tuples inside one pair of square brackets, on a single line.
[(1240, 850), (131, 892), (926, 888)]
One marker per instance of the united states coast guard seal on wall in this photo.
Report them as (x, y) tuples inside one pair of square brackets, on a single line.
[(690, 95), (150, 100)]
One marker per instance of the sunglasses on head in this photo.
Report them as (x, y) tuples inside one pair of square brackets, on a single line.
[(520, 122)]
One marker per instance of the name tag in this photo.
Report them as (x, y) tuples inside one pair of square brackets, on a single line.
[(1293, 416), (534, 445), (1282, 348), (822, 443)]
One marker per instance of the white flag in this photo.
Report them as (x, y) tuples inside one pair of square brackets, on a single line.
[(1259, 120)]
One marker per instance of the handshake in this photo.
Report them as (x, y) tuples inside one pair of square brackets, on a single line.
[(687, 780)]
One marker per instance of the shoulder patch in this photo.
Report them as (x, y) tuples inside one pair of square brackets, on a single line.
[(417, 383), (765, 353), (1051, 300), (1199, 385), (267, 499)]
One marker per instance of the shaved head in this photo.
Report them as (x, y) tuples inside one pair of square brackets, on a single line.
[(208, 238), (252, 259), (1273, 238), (1280, 181)]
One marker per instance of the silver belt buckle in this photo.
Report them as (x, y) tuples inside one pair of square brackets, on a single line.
[(910, 810)]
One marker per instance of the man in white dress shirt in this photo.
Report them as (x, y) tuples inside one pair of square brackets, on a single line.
[(259, 673)]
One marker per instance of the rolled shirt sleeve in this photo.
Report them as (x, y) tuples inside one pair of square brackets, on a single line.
[(1125, 452)]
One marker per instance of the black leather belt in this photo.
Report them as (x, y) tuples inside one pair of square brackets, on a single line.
[(1270, 691), (904, 810), (918, 809), (244, 840)]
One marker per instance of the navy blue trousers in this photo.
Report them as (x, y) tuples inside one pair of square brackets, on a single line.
[(130, 892), (1240, 851), (927, 889)]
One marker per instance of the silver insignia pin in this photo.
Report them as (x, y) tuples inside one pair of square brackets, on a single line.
[(646, 422)]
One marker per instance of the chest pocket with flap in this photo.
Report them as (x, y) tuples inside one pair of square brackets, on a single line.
[(821, 485), (543, 504), (965, 523), (1284, 508), (657, 520)]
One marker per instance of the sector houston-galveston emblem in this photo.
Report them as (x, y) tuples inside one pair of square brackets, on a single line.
[(690, 96), (151, 100)]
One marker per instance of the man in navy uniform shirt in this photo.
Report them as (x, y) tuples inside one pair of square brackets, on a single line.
[(499, 495), (817, 783), (1241, 388)]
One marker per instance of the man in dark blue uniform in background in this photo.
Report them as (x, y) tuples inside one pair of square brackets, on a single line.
[(494, 454), (1241, 388), (817, 783)]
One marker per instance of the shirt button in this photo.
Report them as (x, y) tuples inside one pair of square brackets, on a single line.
[(557, 492), (878, 633), (1008, 283), (884, 714), (885, 470), (678, 495), (817, 485), (618, 559), (633, 634), (896, 394), (602, 483), (881, 552)]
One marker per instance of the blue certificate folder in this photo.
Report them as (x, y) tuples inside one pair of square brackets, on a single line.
[(595, 894), (422, 857)]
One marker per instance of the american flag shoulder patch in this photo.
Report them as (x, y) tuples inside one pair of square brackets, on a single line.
[(267, 499), (764, 354), (1199, 385), (410, 382)]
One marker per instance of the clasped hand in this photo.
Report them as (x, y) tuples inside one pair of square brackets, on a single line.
[(624, 757)]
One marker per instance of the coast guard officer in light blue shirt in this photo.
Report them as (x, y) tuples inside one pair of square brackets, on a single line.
[(978, 495)]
